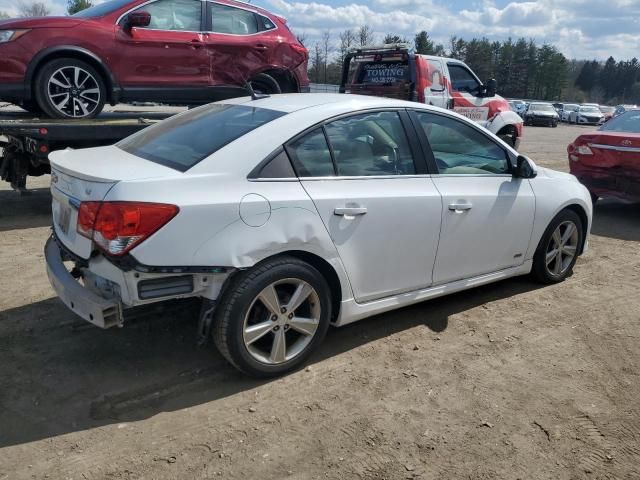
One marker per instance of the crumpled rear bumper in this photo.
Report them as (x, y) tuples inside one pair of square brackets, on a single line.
[(100, 311)]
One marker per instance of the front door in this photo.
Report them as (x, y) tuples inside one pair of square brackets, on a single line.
[(487, 214), (465, 90), (383, 218), (169, 56)]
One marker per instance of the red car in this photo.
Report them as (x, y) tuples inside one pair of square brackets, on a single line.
[(607, 161), (169, 51)]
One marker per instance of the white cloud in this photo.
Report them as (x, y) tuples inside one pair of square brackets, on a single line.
[(579, 28)]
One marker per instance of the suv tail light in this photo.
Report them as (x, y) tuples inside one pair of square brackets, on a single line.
[(117, 227)]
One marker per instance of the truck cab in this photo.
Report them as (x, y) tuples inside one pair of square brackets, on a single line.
[(395, 71)]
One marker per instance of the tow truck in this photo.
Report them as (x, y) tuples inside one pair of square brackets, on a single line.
[(396, 71)]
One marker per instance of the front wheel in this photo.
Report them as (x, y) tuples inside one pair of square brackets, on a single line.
[(272, 317), (70, 88), (558, 248)]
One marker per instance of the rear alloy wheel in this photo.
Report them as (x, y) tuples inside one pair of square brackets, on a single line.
[(558, 249), (272, 317), (70, 88)]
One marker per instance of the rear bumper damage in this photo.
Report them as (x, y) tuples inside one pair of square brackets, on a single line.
[(90, 306), (620, 183)]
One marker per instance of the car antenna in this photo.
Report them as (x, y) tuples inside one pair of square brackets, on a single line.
[(254, 95)]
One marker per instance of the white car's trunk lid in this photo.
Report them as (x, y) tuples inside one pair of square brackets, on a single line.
[(88, 175)]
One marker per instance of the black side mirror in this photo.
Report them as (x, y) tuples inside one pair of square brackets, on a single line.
[(524, 168), (139, 18), (491, 87)]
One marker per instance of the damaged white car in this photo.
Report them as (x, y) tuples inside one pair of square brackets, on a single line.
[(291, 213)]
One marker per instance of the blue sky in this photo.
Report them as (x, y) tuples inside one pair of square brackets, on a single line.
[(579, 28)]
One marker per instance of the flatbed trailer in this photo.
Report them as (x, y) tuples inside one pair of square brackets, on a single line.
[(27, 141)]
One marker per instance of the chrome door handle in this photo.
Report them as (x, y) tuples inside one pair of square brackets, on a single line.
[(261, 47), (349, 211), (460, 207)]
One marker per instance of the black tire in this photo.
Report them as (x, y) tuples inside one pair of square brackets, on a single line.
[(239, 297), (555, 124), (540, 270), (509, 139), (266, 84), (594, 197), (93, 107)]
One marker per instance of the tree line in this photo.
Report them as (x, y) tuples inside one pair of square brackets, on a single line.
[(611, 82), (39, 8)]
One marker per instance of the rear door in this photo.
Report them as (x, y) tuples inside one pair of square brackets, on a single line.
[(487, 214), (380, 209), (169, 54), (240, 42)]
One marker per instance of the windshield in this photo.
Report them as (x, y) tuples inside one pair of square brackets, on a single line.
[(570, 107), (542, 107), (102, 9), (182, 141), (627, 122), (590, 110)]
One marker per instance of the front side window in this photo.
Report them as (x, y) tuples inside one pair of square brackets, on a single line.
[(182, 141), (231, 20), (371, 144), (462, 80), (460, 149), (173, 15)]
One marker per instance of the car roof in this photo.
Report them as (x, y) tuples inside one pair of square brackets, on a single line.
[(293, 102)]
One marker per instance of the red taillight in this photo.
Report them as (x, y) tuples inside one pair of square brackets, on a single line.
[(117, 227)]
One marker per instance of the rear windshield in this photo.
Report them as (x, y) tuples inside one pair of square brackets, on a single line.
[(182, 141), (102, 9), (627, 122), (382, 72)]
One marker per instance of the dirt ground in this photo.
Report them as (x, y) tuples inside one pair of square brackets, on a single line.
[(508, 381)]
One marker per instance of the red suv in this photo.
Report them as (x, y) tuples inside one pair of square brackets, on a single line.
[(169, 51)]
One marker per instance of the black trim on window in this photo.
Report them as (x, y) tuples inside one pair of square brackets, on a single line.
[(419, 160), (205, 19), (331, 152), (427, 153), (267, 168)]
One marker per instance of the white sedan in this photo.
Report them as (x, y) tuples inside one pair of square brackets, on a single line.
[(291, 213)]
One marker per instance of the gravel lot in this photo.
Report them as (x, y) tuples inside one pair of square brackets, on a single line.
[(506, 381)]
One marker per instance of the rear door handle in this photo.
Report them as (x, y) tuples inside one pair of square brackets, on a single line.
[(197, 43), (349, 211), (460, 207), (261, 47)]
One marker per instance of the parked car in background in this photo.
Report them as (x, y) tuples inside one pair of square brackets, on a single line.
[(607, 112), (541, 113), (620, 109), (518, 106), (607, 161), (277, 212), (394, 71), (168, 51), (567, 108), (558, 107), (586, 115)]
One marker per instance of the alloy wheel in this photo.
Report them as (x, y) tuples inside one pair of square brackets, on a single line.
[(281, 321), (562, 248), (73, 91)]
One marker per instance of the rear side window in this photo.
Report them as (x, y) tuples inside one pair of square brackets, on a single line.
[(184, 140), (235, 21), (311, 156)]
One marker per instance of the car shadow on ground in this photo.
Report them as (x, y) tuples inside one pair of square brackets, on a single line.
[(60, 374), (29, 210), (616, 219)]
